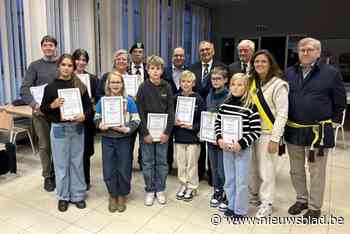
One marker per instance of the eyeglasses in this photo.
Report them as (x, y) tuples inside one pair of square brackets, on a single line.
[(307, 50)]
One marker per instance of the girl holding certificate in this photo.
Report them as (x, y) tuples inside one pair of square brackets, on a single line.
[(267, 80), (81, 59), (242, 123), (67, 135), (116, 141)]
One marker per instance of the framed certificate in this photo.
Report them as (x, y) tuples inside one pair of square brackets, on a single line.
[(185, 109), (85, 78), (156, 124), (72, 105), (207, 127), (38, 92), (131, 83), (112, 111), (231, 128)]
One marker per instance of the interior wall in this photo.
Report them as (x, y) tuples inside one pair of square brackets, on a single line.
[(318, 18)]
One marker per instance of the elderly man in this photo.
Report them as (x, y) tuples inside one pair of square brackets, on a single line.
[(202, 70), (317, 99), (137, 66), (246, 50), (40, 72)]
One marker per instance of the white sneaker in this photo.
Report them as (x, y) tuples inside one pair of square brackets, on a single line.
[(181, 192), (264, 210), (161, 197), (223, 206), (149, 199), (190, 193)]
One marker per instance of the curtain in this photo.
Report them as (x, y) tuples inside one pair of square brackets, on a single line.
[(200, 28), (177, 26)]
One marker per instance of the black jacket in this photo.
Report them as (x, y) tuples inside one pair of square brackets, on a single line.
[(320, 96), (168, 76), (190, 136), (196, 68)]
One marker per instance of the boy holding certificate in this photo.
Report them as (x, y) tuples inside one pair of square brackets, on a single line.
[(215, 98), (237, 126), (117, 117), (189, 106), (156, 109)]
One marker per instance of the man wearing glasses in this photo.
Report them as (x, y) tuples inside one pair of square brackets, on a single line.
[(317, 99)]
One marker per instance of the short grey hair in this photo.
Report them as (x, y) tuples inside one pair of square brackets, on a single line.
[(309, 40), (206, 42), (247, 42)]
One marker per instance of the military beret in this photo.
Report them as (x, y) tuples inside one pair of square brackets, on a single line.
[(138, 45)]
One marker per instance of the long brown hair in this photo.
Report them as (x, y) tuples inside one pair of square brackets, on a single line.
[(76, 82), (274, 69)]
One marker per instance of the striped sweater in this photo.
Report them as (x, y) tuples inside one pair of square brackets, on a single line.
[(250, 117)]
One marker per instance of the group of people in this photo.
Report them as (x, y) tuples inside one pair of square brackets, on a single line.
[(275, 108)]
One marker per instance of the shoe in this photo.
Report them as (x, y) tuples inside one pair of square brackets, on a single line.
[(161, 198), (190, 193), (264, 210), (112, 204), (216, 198), (63, 205), (254, 201), (149, 199), (229, 213), (223, 203), (121, 203), (181, 192), (49, 184), (80, 204), (311, 215), (297, 208)]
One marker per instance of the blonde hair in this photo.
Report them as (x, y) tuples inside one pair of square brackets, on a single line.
[(187, 75), (246, 98), (110, 76), (155, 61), (221, 71)]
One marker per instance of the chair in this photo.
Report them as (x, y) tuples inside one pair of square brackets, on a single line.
[(7, 125), (340, 126)]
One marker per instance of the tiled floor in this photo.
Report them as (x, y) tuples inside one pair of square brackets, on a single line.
[(26, 208)]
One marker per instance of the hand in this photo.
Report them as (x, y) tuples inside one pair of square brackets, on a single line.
[(121, 129), (221, 143), (58, 102), (79, 118), (163, 138), (148, 139), (272, 147), (236, 147), (103, 127)]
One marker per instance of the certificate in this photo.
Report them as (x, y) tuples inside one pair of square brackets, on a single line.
[(112, 111), (131, 83), (156, 124), (38, 92), (231, 128), (185, 109), (85, 78), (207, 127), (72, 105)]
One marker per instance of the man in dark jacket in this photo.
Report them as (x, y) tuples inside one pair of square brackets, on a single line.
[(317, 99), (245, 50), (202, 70)]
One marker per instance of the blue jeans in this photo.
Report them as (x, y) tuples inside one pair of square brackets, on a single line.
[(154, 166), (117, 165), (236, 167), (216, 166), (67, 144)]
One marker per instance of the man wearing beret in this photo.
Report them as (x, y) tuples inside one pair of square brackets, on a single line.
[(137, 66)]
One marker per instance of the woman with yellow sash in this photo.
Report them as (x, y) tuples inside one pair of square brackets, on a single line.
[(270, 95)]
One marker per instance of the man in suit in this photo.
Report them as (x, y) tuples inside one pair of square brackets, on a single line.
[(246, 50), (137, 66), (202, 71), (172, 76)]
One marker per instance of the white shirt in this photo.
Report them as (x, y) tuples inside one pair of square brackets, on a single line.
[(209, 67), (133, 70), (176, 76), (248, 68)]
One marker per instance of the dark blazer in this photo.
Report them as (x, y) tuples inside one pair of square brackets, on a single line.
[(235, 68), (196, 68), (168, 76)]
